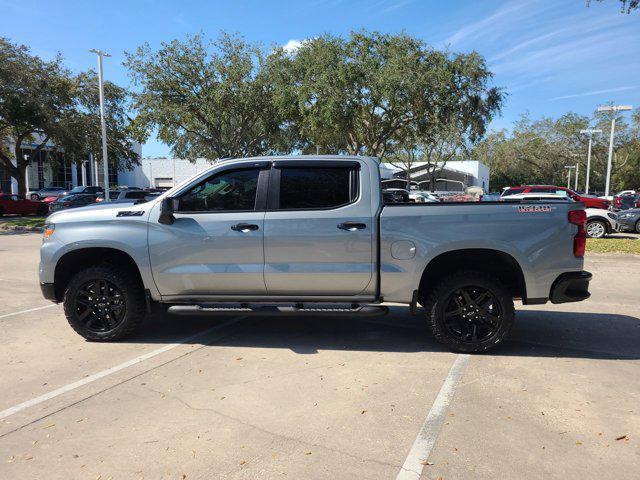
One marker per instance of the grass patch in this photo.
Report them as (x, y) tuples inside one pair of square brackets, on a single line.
[(613, 245), (23, 221)]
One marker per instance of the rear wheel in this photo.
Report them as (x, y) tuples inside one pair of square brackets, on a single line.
[(470, 312), (596, 229), (34, 196), (104, 303)]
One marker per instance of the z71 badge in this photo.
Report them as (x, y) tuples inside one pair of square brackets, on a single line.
[(533, 208)]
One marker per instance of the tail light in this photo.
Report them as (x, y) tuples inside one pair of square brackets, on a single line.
[(579, 218), (618, 201)]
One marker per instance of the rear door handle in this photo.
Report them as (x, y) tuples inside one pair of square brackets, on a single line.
[(352, 226), (244, 227)]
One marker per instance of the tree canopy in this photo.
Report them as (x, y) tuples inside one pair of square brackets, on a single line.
[(42, 102), (206, 98)]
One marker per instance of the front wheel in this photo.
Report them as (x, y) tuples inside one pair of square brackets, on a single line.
[(104, 303), (470, 312), (637, 225), (596, 229)]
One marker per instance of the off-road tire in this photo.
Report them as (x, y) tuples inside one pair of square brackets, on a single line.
[(435, 306), (131, 289)]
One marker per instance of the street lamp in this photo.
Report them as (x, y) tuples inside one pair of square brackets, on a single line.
[(103, 124), (569, 167), (614, 109), (589, 132)]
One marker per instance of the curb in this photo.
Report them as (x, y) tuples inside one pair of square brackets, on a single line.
[(19, 228)]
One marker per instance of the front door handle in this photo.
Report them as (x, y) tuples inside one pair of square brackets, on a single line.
[(352, 226), (244, 227)]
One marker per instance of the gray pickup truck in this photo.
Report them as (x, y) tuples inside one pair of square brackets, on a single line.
[(310, 235)]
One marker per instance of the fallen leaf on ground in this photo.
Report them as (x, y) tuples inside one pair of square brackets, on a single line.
[(578, 442), (363, 412), (424, 462), (307, 453), (242, 462), (49, 426), (623, 437)]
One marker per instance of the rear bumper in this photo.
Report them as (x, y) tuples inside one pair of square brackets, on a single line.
[(571, 287), (49, 291)]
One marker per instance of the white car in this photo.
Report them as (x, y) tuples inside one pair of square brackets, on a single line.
[(419, 196), (600, 222)]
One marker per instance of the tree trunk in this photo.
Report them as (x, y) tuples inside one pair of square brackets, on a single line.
[(21, 176)]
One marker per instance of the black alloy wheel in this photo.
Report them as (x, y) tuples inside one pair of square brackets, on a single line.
[(100, 305), (469, 311), (472, 314)]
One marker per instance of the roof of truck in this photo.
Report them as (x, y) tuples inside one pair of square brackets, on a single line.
[(304, 157)]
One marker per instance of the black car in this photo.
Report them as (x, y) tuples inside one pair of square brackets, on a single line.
[(71, 201), (128, 195), (629, 220), (625, 202), (85, 189), (395, 195)]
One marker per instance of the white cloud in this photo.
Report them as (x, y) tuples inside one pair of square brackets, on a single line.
[(292, 45), (595, 92)]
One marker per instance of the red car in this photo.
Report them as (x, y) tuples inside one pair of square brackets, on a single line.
[(589, 202), (18, 205)]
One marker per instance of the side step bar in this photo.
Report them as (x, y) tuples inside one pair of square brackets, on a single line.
[(277, 310)]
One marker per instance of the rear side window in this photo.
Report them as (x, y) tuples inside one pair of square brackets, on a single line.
[(317, 187)]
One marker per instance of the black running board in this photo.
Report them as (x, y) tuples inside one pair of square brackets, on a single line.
[(277, 310)]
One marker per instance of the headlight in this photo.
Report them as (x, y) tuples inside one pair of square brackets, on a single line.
[(613, 216), (49, 228)]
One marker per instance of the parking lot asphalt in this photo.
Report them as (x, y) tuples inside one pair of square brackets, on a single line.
[(319, 398)]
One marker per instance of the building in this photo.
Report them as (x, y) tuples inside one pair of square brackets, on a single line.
[(456, 175), (50, 168), (162, 172)]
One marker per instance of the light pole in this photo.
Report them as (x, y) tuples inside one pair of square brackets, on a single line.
[(569, 167), (103, 124), (614, 109), (589, 132)]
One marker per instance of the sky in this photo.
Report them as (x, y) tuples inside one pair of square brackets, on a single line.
[(549, 56)]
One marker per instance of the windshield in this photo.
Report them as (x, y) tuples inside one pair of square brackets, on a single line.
[(77, 190)]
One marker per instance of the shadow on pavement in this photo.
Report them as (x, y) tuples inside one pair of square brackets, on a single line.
[(537, 333)]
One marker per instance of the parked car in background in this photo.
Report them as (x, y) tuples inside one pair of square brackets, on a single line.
[(491, 197), (45, 192), (85, 189), (422, 197), (11, 204), (626, 201), (629, 220), (589, 202), (395, 195), (72, 201), (128, 195), (600, 222)]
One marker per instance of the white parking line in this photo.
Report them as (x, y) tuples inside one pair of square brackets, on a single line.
[(28, 310), (426, 439), (96, 376)]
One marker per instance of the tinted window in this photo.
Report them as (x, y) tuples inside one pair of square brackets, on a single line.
[(136, 194), (235, 190), (304, 188)]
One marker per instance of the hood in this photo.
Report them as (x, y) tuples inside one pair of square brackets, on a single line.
[(99, 212)]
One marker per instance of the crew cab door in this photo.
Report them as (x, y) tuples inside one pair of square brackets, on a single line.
[(215, 244), (319, 229)]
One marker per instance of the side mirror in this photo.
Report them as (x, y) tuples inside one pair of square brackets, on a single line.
[(167, 207)]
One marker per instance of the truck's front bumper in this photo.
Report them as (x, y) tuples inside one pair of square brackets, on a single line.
[(571, 287)]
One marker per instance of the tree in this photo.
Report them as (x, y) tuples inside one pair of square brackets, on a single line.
[(627, 5), (367, 94), (206, 99), (34, 95), (43, 102)]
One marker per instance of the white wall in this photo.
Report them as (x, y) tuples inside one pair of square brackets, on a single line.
[(153, 170)]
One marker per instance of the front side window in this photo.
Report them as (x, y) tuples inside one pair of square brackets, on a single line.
[(227, 191), (322, 187)]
